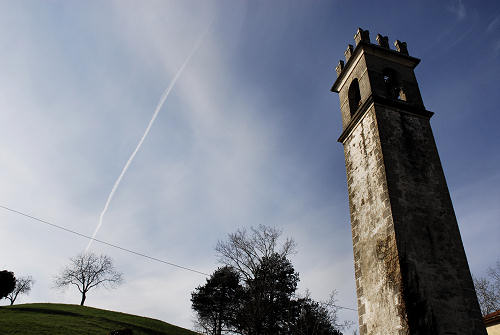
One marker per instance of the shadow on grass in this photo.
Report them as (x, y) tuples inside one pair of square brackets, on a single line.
[(42, 310)]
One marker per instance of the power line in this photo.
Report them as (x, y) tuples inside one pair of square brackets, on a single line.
[(118, 247), (351, 309), (103, 242)]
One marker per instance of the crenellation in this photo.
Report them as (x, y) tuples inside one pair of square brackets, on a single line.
[(401, 47), (404, 87), (383, 41), (339, 67), (362, 36), (348, 52)]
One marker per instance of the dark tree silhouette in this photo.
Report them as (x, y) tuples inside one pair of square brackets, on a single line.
[(7, 283), (268, 304), (316, 318), (269, 307), (217, 302), (23, 286), (87, 271)]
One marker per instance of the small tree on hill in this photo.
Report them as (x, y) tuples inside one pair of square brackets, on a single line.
[(87, 271), (7, 283), (23, 286)]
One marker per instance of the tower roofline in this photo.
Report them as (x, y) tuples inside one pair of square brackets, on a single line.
[(373, 99), (363, 45)]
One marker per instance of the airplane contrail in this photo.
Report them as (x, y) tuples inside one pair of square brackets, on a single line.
[(148, 128)]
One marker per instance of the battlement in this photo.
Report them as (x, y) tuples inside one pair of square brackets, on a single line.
[(362, 37)]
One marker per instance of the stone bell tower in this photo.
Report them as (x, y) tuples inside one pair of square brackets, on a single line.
[(412, 275)]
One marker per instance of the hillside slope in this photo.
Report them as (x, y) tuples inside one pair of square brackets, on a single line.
[(60, 319)]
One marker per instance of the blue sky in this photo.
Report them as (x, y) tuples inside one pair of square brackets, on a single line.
[(246, 137)]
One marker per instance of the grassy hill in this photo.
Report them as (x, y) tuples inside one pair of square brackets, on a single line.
[(59, 319)]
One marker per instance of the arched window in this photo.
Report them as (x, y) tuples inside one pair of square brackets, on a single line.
[(392, 85), (354, 96)]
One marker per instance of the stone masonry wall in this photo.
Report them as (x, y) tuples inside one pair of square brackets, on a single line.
[(437, 285), (359, 72), (378, 277)]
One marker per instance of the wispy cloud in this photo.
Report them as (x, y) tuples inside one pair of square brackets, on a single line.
[(458, 9), (493, 24), (496, 47), (163, 98)]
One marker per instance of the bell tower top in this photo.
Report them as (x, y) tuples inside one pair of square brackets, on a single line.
[(374, 73)]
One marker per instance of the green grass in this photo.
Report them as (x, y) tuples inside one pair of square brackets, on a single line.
[(59, 319)]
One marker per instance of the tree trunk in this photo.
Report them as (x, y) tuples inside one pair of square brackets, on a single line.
[(11, 302), (83, 299)]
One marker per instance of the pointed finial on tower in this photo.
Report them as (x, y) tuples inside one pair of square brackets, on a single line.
[(348, 52), (339, 67), (401, 47), (362, 36), (383, 41)]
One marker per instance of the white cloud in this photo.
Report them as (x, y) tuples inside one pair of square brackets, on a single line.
[(496, 47)]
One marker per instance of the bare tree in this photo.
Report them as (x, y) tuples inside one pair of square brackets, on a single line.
[(23, 286), (333, 309), (88, 271), (244, 250), (494, 274), (488, 290)]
